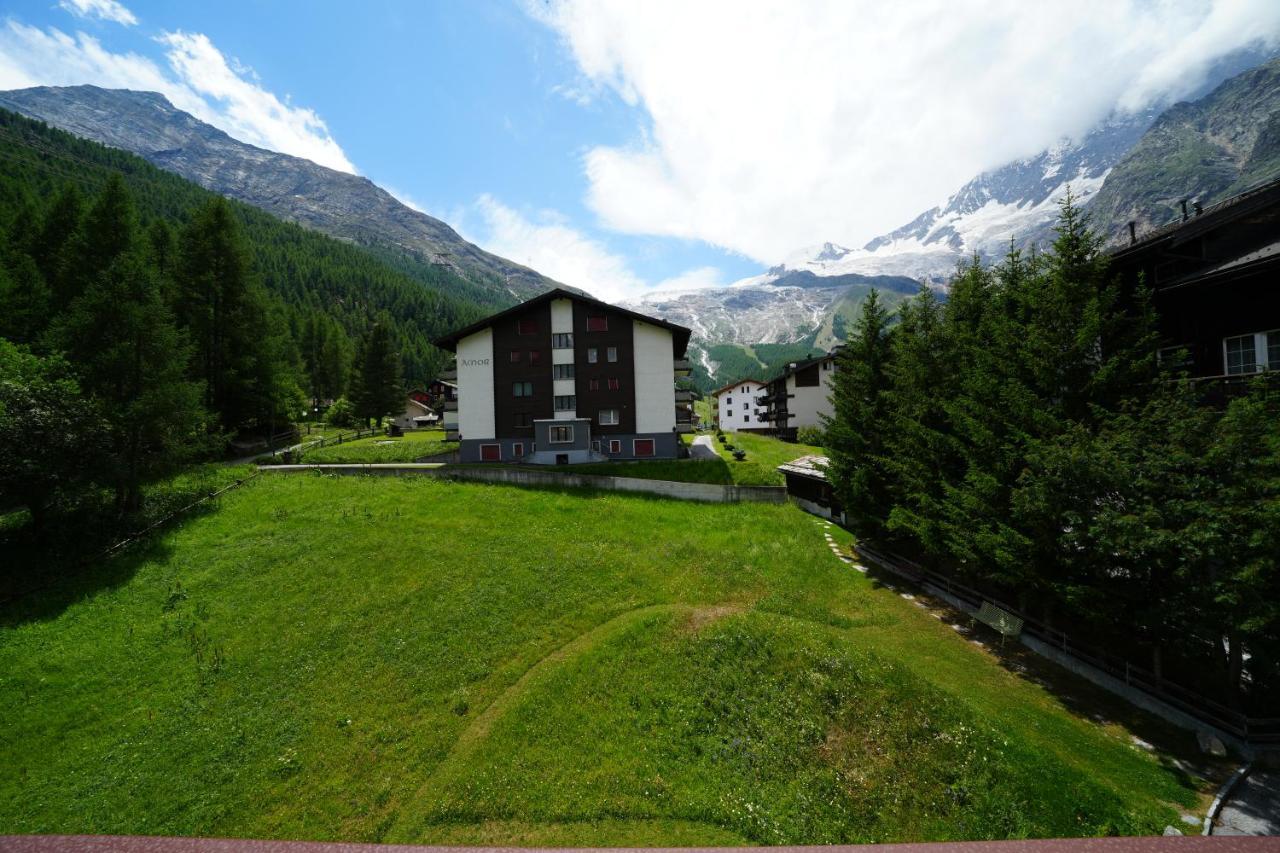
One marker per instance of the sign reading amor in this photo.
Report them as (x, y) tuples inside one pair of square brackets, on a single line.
[(474, 362)]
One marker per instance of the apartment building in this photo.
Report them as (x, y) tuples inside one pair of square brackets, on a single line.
[(800, 396), (564, 378), (736, 409)]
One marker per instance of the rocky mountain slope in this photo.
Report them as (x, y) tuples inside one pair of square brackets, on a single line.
[(336, 203), (1203, 151)]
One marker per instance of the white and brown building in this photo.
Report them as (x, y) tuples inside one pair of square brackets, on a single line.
[(736, 408), (800, 396), (565, 378)]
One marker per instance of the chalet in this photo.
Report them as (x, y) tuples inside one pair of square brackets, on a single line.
[(735, 406), (807, 485), (417, 413), (565, 378), (799, 396), (1213, 276)]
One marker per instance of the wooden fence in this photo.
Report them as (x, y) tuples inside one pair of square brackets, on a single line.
[(326, 441), (1256, 731)]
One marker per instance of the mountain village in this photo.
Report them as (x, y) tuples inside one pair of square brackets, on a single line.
[(321, 523)]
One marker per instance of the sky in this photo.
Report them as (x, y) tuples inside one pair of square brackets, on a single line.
[(624, 147)]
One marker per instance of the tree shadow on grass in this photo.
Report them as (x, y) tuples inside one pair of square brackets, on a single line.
[(1173, 747), (46, 573)]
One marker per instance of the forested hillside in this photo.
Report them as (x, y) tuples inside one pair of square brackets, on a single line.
[(319, 280)]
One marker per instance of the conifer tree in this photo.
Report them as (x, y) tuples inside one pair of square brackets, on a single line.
[(856, 431), (378, 390), (132, 361)]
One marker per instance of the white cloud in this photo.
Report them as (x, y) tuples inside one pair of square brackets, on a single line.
[(199, 80), (107, 10), (771, 125), (554, 248)]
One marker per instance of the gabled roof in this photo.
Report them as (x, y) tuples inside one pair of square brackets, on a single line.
[(735, 384), (1213, 216), (797, 366), (679, 334)]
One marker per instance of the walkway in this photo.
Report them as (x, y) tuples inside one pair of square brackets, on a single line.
[(702, 448), (1253, 807)]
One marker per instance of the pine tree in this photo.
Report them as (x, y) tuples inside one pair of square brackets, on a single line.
[(856, 431), (132, 361), (106, 233), (378, 391)]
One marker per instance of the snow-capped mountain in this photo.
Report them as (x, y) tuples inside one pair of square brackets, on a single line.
[(1012, 203)]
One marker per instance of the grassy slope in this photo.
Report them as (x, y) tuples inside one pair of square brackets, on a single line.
[(764, 455), (380, 448), (408, 659)]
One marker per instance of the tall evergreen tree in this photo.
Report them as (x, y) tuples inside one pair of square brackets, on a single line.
[(132, 361), (857, 430), (378, 390)]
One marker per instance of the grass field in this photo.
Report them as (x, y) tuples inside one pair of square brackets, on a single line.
[(764, 455), (381, 448), (404, 659)]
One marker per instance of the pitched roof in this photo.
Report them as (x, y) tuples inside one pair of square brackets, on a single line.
[(1181, 230), (813, 467), (679, 334), (735, 384)]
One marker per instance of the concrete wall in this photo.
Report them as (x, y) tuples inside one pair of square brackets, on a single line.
[(655, 398), (475, 385), (703, 492)]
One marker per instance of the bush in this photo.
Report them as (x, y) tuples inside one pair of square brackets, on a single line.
[(739, 455), (813, 436), (341, 413)]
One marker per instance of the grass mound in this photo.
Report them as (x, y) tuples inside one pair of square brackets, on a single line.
[(413, 659)]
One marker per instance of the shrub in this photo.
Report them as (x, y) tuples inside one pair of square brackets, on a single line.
[(814, 436), (739, 455), (341, 413)]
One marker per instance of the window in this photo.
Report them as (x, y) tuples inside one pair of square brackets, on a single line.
[(535, 356), (1175, 358), (490, 452), (597, 323), (515, 356), (593, 384), (746, 417), (527, 327), (1242, 354), (521, 419), (642, 447), (562, 435), (826, 365), (613, 385), (566, 404), (562, 371), (730, 401), (521, 389), (562, 341), (593, 355), (608, 417), (595, 445), (517, 450), (1273, 350), (744, 407), (611, 354), (615, 445)]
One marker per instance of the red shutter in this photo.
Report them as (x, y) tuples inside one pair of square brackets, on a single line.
[(643, 447), (490, 452)]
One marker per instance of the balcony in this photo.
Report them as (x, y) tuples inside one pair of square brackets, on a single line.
[(451, 405), (449, 374), (681, 367), (684, 429), (683, 395)]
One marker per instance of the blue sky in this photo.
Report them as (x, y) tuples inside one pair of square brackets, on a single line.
[(623, 146)]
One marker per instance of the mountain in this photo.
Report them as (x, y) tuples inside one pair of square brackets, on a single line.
[(341, 205), (1203, 151)]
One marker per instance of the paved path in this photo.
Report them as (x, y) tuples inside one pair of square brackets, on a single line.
[(1253, 807), (702, 448)]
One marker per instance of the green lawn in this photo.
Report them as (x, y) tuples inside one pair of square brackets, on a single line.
[(382, 448), (764, 455), (405, 659)]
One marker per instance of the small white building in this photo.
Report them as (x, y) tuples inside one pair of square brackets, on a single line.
[(416, 415), (736, 408)]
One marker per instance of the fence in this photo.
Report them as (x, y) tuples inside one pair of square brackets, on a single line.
[(1254, 731), (326, 441)]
